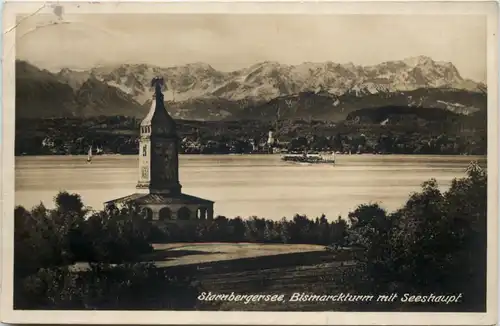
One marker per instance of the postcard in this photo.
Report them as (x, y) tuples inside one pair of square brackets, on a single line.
[(250, 163)]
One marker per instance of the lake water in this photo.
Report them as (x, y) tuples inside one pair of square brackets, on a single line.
[(246, 185)]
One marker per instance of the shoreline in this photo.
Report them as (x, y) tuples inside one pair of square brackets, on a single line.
[(266, 154)]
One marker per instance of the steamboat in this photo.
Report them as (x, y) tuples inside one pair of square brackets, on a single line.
[(314, 158)]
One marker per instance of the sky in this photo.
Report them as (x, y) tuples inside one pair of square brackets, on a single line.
[(231, 42)]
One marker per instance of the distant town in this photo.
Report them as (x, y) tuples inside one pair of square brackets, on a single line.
[(119, 135)]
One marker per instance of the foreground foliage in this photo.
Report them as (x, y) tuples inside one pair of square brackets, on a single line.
[(47, 242), (436, 243), (124, 287)]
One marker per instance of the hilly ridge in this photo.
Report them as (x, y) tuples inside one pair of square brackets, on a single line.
[(323, 105), (264, 91), (267, 80), (41, 94)]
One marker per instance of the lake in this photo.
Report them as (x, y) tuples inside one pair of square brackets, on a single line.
[(246, 185)]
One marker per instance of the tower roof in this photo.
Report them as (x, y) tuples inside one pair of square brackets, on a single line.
[(158, 117), (158, 199)]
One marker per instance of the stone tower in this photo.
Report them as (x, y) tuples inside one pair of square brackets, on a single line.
[(158, 188), (159, 149)]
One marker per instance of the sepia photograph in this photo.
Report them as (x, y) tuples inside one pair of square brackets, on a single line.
[(281, 158)]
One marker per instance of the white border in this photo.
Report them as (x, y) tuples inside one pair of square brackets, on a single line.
[(8, 315)]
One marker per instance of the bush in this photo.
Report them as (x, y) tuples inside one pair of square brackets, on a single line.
[(41, 240), (116, 238), (126, 287)]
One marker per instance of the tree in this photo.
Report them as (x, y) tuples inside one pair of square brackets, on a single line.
[(319, 143), (436, 243), (299, 143), (284, 231), (337, 142), (338, 231), (237, 228)]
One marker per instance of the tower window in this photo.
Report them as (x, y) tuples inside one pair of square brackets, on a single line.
[(183, 213)]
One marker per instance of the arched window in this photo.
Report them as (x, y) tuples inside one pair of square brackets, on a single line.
[(201, 213), (165, 214), (147, 213), (183, 213)]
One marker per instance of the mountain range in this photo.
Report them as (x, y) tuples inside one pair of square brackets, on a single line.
[(266, 90)]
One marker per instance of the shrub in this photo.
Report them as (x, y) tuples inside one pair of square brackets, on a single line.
[(117, 238), (126, 287)]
